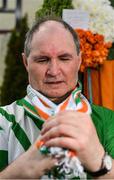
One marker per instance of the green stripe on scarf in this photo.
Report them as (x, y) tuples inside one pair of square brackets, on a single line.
[(77, 100), (22, 102), (79, 88), (23, 139), (3, 159)]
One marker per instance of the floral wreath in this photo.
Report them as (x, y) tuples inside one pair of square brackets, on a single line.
[(93, 47)]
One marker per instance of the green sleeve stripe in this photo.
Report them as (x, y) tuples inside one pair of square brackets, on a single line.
[(21, 136), (9, 117), (18, 131), (3, 159), (1, 128)]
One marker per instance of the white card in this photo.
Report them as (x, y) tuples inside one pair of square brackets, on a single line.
[(76, 18)]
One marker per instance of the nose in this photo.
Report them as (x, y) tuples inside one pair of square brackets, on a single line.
[(53, 68)]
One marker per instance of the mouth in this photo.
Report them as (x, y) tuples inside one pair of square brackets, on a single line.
[(54, 82)]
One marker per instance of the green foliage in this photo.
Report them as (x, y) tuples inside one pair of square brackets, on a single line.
[(111, 52), (15, 76), (54, 7), (112, 2)]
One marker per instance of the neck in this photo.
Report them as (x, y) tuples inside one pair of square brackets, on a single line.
[(58, 100)]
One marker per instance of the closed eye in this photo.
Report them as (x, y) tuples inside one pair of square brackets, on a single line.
[(65, 57), (41, 59)]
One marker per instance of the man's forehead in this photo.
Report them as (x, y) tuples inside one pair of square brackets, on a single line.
[(52, 34), (52, 26), (51, 29)]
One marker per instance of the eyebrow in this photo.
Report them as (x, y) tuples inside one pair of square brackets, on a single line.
[(39, 56), (65, 55), (47, 56)]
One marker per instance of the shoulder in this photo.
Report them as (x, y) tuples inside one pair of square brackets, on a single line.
[(101, 112), (103, 118), (101, 115), (100, 108), (9, 112), (11, 116)]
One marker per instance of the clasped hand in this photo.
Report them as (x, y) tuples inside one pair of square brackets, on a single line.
[(75, 131)]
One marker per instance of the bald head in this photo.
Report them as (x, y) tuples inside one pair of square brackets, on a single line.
[(50, 25)]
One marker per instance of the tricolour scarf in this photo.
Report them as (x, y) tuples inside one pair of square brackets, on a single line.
[(70, 165), (46, 108)]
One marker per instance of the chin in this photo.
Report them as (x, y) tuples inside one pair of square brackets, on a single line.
[(56, 95)]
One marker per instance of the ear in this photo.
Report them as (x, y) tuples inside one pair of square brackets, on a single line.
[(79, 60), (25, 62)]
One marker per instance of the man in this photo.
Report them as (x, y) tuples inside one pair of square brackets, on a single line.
[(52, 59)]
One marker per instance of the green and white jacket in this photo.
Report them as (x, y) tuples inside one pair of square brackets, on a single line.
[(20, 127)]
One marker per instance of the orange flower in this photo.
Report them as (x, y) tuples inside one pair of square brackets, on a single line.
[(93, 47)]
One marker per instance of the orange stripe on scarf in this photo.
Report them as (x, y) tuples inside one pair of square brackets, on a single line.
[(84, 107), (64, 105), (44, 103), (41, 113), (72, 153), (39, 144)]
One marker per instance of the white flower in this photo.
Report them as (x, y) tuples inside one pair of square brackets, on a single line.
[(101, 16)]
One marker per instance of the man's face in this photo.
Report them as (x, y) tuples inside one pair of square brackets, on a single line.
[(53, 63)]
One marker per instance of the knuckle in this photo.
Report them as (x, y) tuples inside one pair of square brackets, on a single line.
[(84, 143), (61, 141), (59, 120), (60, 129)]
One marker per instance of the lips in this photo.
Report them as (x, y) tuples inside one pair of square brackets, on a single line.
[(54, 82)]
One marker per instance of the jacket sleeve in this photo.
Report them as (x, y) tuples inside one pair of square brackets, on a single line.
[(4, 131), (103, 120)]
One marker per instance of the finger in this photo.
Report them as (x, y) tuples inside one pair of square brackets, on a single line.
[(61, 130), (49, 162), (64, 142), (46, 164), (49, 125), (67, 118)]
